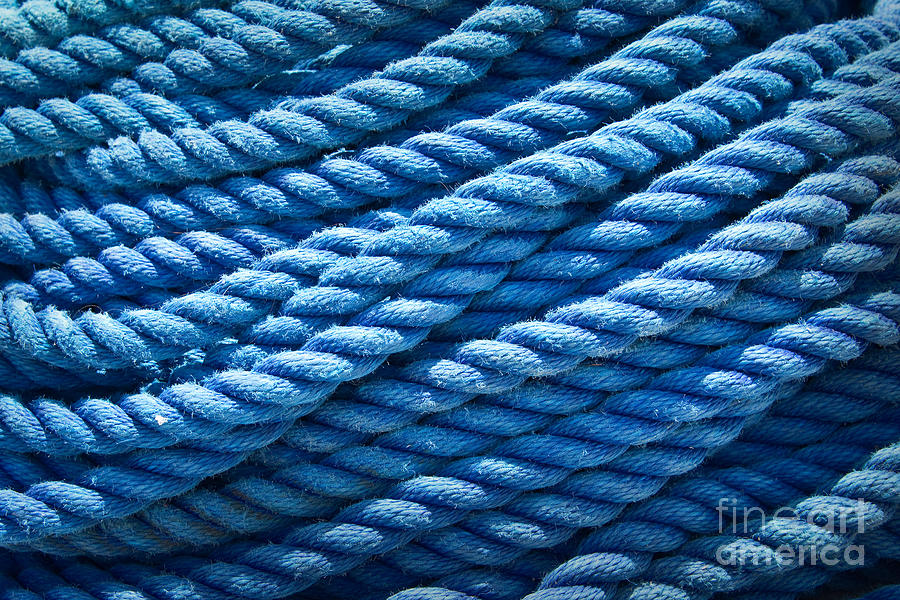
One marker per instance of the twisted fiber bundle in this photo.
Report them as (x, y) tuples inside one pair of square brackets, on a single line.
[(875, 484), (23, 197), (281, 193), (75, 232), (282, 188), (137, 270), (129, 110), (43, 22), (460, 515), (509, 215), (391, 578), (59, 522), (568, 305), (184, 262), (300, 561), (291, 130), (623, 550), (847, 427), (464, 431), (272, 136), (96, 118), (208, 49)]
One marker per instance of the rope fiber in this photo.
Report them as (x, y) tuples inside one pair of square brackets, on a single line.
[(429, 300)]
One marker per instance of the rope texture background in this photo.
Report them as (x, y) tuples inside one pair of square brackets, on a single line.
[(430, 300)]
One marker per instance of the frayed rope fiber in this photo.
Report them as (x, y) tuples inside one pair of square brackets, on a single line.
[(430, 300)]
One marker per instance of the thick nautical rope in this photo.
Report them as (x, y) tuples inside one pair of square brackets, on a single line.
[(205, 50), (873, 493), (62, 522), (462, 433), (178, 265), (293, 193), (128, 110), (158, 262), (38, 239), (291, 130), (45, 22), (636, 156), (169, 337), (835, 441), (563, 322), (308, 553), (188, 155), (869, 400), (690, 507)]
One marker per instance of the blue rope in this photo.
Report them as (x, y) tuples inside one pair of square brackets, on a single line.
[(207, 49), (162, 264), (482, 301), (497, 380), (60, 523), (641, 156), (43, 22), (834, 442), (130, 110), (289, 130), (462, 432)]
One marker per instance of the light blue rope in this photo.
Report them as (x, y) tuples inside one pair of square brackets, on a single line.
[(338, 299), (834, 441), (61, 522), (641, 156), (160, 263), (464, 431)]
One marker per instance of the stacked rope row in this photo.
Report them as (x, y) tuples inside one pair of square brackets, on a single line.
[(448, 301)]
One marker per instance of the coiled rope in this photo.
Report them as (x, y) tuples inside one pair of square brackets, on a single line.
[(469, 301)]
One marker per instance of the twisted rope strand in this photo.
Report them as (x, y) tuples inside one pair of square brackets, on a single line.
[(207, 49), (848, 185), (129, 110), (61, 522), (155, 421), (127, 162), (568, 302), (835, 442), (511, 213), (291, 131), (690, 507), (45, 22), (282, 192), (95, 283), (310, 552), (877, 488)]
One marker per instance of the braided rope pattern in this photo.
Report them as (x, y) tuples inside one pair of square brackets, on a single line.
[(207, 49), (129, 110), (459, 433), (769, 484), (345, 285), (359, 299), (44, 22), (849, 426), (592, 92), (292, 129), (59, 522)]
